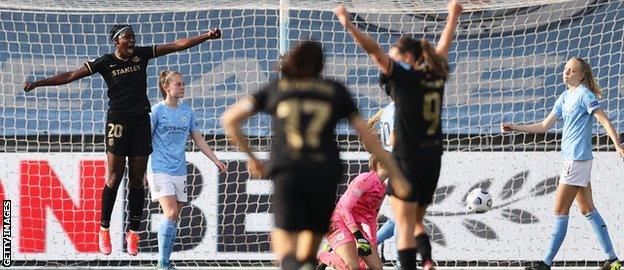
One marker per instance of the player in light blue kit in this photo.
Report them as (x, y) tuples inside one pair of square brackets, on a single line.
[(576, 106), (386, 126), (172, 123)]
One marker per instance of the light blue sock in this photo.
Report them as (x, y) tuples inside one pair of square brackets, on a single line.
[(386, 231), (167, 231), (173, 239), (559, 233), (600, 228)]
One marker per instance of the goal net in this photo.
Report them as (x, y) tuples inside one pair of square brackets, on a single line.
[(506, 66)]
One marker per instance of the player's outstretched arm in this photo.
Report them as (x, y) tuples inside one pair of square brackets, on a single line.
[(373, 146), (231, 121), (185, 43), (204, 148), (454, 10), (364, 41), (541, 127), (59, 79), (606, 123)]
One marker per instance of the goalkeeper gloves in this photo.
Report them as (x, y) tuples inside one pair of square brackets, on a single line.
[(364, 248)]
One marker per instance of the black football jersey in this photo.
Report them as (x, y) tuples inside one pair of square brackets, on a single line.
[(304, 117), (126, 80), (418, 97)]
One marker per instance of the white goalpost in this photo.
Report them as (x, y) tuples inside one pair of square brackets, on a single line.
[(506, 65)]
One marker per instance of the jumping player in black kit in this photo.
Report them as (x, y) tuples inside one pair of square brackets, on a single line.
[(417, 87), (304, 162), (128, 132)]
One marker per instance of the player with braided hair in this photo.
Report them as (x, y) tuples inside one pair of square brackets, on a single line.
[(128, 132)]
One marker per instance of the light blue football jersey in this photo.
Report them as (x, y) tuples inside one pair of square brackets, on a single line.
[(576, 108), (386, 125), (171, 128)]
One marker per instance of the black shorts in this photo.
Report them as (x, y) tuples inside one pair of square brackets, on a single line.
[(128, 135), (304, 199), (423, 174)]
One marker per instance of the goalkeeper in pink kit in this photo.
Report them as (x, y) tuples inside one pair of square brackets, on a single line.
[(356, 210)]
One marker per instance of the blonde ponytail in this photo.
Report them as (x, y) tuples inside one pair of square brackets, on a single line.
[(371, 123), (588, 77)]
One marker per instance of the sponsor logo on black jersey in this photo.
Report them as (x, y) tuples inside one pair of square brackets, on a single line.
[(125, 70)]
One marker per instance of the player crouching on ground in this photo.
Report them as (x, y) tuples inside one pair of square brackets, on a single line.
[(358, 206)]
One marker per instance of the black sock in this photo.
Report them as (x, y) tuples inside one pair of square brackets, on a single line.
[(108, 202), (289, 262), (424, 247), (381, 253), (136, 199), (308, 264), (407, 257)]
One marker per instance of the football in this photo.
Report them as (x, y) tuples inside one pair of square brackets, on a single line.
[(479, 200)]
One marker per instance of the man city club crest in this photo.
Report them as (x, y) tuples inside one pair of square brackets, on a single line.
[(184, 119), (136, 59)]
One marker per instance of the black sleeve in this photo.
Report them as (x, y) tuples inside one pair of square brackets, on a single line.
[(145, 53), (346, 104), (261, 97), (96, 65), (384, 84)]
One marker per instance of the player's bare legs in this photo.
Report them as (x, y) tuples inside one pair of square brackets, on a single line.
[(564, 198), (137, 166), (405, 217), (328, 257), (171, 207), (291, 248), (409, 219), (349, 258), (307, 245), (373, 261), (419, 227), (585, 200), (348, 254), (283, 243)]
